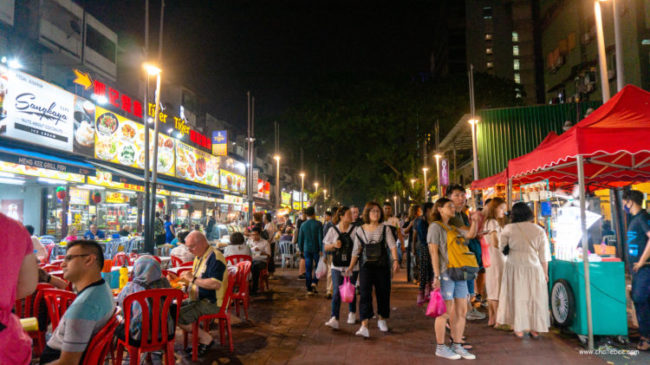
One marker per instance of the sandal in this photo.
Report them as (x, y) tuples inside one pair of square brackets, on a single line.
[(449, 331), (644, 344), (520, 334)]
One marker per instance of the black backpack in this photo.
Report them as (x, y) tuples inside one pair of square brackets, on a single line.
[(342, 256), (374, 253)]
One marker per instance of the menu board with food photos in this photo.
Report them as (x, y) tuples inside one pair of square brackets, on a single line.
[(195, 165), (233, 176), (121, 141)]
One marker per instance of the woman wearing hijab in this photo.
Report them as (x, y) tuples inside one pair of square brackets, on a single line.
[(147, 274)]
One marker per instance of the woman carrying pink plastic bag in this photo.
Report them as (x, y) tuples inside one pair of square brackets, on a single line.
[(339, 242), (436, 305)]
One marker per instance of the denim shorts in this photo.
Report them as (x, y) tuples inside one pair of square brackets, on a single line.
[(451, 289)]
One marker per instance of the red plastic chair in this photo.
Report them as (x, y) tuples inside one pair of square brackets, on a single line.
[(176, 262), (49, 249), (235, 259), (242, 296), (120, 258), (101, 343), (222, 316), (157, 259), (155, 303), (28, 307), (57, 302)]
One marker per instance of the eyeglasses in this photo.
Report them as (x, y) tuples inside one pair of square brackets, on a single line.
[(69, 258)]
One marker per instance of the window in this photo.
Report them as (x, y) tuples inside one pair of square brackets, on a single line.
[(100, 43), (515, 65), (517, 78), (515, 37), (488, 36), (487, 12), (515, 50), (489, 64), (488, 50)]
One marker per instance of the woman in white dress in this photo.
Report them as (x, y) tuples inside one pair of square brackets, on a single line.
[(523, 298), (495, 220)]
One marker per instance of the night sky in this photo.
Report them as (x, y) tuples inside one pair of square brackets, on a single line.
[(277, 49)]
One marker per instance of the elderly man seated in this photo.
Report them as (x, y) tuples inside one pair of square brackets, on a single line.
[(207, 282)]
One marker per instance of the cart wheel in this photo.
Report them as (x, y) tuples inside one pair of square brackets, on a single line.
[(562, 303)]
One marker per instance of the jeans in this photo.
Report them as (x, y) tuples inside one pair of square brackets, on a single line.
[(470, 287), (451, 289), (311, 261), (256, 267), (641, 299), (379, 278), (337, 279)]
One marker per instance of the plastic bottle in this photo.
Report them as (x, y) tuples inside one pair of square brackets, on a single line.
[(124, 275)]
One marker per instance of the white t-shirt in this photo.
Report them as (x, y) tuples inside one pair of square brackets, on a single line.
[(262, 246), (232, 250), (372, 237), (332, 236), (182, 252)]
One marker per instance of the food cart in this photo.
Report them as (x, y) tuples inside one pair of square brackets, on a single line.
[(606, 148)]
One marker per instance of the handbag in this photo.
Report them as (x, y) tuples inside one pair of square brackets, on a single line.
[(346, 290), (436, 305)]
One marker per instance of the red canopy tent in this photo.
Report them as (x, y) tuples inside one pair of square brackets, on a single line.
[(609, 146)]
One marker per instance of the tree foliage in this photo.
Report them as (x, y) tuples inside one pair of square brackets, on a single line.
[(367, 132)]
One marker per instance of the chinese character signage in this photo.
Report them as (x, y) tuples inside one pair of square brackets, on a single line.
[(444, 172), (220, 143)]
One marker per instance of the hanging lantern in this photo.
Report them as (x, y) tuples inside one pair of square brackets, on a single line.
[(60, 193), (187, 206), (161, 204), (97, 198)]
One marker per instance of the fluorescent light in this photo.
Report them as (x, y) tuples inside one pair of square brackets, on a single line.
[(6, 174), (91, 187), (52, 181), (170, 130), (127, 192), (11, 181), (15, 64), (100, 99)]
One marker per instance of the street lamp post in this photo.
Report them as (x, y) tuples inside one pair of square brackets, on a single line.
[(302, 188), (395, 204), (438, 156), (316, 196), (473, 123), (602, 61), (154, 71), (277, 181), (413, 183), (426, 192)]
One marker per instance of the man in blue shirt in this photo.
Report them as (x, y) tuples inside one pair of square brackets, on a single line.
[(638, 250), (310, 243), (93, 233), (88, 313)]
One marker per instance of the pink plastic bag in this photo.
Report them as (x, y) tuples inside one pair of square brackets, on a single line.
[(485, 252), (346, 290), (436, 305)]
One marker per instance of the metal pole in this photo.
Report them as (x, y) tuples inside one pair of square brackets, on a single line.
[(148, 241), (438, 187), (602, 61), (277, 183), (472, 107), (474, 149), (250, 159), (426, 190), (509, 194), (154, 174), (585, 249), (620, 69), (302, 188)]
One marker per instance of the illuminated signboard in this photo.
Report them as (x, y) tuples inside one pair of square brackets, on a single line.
[(79, 196), (263, 189), (182, 128), (220, 143), (195, 165), (40, 172)]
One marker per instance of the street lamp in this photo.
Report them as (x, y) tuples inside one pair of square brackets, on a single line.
[(413, 183), (277, 181), (474, 123), (302, 188), (438, 156), (426, 193), (602, 61), (150, 190), (395, 204), (324, 194)]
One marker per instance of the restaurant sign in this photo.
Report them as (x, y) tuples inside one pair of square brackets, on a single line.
[(15, 168), (220, 143)]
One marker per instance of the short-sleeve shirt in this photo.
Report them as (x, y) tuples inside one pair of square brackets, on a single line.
[(212, 265), (637, 235), (263, 246), (182, 252), (87, 314), (16, 244), (332, 236), (492, 226), (438, 235), (232, 250), (374, 236), (460, 220)]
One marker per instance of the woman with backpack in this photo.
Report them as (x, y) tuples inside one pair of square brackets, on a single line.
[(371, 243), (339, 242), (523, 299), (453, 265)]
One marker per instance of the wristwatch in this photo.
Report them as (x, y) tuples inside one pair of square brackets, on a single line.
[(439, 277)]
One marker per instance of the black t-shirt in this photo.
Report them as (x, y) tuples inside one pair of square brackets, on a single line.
[(637, 235)]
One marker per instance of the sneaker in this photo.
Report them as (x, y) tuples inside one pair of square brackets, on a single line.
[(314, 289), (328, 296), (301, 277), (333, 323), (460, 350), (310, 292), (382, 325), (474, 315), (446, 353), (363, 331), (352, 318)]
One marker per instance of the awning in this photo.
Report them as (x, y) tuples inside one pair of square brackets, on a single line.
[(44, 161), (136, 178), (186, 188)]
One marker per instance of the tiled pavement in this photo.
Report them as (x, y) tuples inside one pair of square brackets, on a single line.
[(287, 327)]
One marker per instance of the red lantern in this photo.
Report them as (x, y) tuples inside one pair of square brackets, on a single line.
[(60, 193), (187, 206), (97, 197), (161, 204)]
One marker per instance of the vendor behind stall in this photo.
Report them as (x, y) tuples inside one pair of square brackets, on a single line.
[(93, 233), (638, 249)]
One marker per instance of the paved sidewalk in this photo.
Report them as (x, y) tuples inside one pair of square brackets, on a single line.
[(287, 327)]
